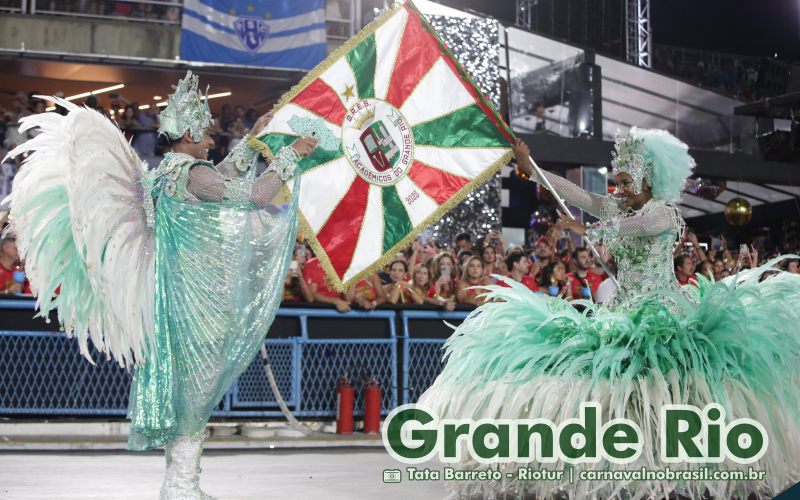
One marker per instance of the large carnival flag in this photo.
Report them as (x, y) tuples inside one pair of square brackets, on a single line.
[(404, 136)]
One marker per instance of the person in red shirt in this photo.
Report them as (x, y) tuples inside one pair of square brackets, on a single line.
[(418, 289), (399, 290), (367, 293), (315, 277), (9, 263), (295, 287), (684, 270), (421, 283), (444, 277), (518, 267), (473, 275), (544, 251), (583, 282)]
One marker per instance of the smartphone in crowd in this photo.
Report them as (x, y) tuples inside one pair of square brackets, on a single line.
[(424, 237)]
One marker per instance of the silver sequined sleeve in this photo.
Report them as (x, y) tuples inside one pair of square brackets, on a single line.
[(654, 219), (241, 159), (572, 194), (209, 185), (265, 188)]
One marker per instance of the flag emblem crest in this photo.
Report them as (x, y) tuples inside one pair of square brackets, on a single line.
[(252, 32), (378, 142)]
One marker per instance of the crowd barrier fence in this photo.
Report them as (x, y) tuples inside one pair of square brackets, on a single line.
[(43, 374)]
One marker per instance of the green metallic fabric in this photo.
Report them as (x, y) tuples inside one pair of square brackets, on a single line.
[(396, 222), (464, 128), (362, 60), (219, 272)]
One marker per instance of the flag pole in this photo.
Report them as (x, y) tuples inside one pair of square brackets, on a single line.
[(589, 244)]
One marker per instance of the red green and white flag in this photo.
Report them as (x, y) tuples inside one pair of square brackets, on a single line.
[(412, 136)]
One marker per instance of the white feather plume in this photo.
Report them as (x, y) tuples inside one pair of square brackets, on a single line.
[(82, 173)]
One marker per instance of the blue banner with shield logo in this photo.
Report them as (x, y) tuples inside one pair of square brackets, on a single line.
[(275, 33)]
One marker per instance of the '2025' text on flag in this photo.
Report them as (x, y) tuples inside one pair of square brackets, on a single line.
[(274, 33), (414, 136)]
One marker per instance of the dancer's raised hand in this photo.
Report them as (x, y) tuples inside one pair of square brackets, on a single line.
[(567, 223), (262, 123), (523, 156), (305, 146)]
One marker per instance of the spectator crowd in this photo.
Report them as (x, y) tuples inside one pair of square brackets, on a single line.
[(429, 273), (729, 74), (139, 123)]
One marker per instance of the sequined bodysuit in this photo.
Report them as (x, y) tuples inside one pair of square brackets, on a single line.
[(641, 241)]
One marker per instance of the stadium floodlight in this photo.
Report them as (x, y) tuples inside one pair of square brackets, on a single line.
[(95, 92)]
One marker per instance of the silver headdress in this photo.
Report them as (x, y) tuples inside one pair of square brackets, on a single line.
[(186, 110), (629, 157), (656, 157)]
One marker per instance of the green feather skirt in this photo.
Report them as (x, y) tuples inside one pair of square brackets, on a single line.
[(735, 342)]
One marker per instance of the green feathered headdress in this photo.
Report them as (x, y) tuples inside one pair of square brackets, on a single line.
[(656, 157)]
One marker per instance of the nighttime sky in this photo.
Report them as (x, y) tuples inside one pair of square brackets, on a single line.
[(750, 27)]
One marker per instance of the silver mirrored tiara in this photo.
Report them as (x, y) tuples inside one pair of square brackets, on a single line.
[(186, 110)]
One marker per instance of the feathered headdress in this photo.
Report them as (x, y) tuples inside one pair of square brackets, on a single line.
[(186, 110), (656, 157)]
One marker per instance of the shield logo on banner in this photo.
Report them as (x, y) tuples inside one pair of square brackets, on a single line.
[(252, 31)]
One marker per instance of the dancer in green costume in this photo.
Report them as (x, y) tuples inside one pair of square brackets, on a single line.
[(734, 342), (175, 272)]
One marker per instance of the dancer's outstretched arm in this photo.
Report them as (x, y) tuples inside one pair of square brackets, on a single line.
[(656, 219), (574, 195), (208, 184)]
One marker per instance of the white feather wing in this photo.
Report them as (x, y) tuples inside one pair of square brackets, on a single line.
[(87, 156)]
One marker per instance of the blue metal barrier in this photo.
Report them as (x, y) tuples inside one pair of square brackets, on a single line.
[(422, 357), (307, 370), (43, 373)]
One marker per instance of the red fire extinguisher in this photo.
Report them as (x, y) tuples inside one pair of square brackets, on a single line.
[(344, 407), (372, 407)]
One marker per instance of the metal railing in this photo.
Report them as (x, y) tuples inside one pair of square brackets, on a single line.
[(422, 357), (158, 11), (308, 369), (13, 6), (340, 22), (42, 373)]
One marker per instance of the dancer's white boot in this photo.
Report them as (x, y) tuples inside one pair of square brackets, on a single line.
[(182, 477)]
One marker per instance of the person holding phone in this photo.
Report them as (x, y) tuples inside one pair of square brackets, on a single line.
[(583, 281), (495, 240), (748, 256), (295, 287), (443, 283), (12, 277)]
